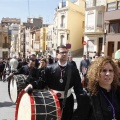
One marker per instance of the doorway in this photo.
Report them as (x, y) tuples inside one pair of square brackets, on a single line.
[(100, 43), (118, 45), (111, 49)]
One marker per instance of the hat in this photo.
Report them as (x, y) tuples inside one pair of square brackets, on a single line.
[(117, 54)]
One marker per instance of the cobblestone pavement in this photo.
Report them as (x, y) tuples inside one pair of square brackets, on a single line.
[(7, 108)]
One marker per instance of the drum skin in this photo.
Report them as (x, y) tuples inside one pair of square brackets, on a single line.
[(15, 85), (40, 105)]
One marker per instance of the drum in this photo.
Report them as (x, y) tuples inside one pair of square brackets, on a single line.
[(15, 85), (40, 105)]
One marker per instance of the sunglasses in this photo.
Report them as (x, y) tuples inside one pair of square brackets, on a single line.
[(64, 52)]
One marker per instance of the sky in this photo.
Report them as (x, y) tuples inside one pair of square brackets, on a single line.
[(20, 9)]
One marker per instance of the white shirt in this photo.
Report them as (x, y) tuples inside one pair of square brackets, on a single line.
[(13, 64), (62, 65)]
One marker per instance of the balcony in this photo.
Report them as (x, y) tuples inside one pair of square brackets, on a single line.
[(112, 11), (6, 45), (94, 3), (115, 15), (63, 4)]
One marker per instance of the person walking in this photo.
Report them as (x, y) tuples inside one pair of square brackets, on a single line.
[(13, 64), (84, 64)]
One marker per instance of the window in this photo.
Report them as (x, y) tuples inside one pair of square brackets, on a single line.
[(32, 35), (63, 4), (114, 28), (68, 36), (83, 24), (5, 38), (91, 45), (90, 20), (111, 6), (62, 21), (62, 40), (99, 20), (90, 3), (118, 4)]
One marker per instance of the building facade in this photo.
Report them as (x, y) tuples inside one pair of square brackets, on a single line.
[(4, 42), (9, 21), (43, 39), (50, 38), (69, 24), (112, 27), (94, 27)]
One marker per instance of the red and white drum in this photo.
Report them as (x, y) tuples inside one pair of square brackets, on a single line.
[(15, 85), (40, 105)]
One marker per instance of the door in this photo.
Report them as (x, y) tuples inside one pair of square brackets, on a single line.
[(118, 45), (111, 49), (100, 43)]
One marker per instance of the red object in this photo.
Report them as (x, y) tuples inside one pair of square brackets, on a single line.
[(35, 107), (84, 43), (68, 46)]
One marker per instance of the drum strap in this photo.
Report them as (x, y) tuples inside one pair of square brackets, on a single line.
[(66, 88)]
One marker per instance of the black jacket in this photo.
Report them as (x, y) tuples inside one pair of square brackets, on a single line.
[(97, 107), (32, 74), (21, 63), (85, 63), (52, 81), (53, 75)]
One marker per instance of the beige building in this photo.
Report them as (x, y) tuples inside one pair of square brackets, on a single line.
[(50, 38), (12, 25), (43, 38), (8, 21), (4, 42), (69, 24), (15, 33), (36, 43), (112, 27), (94, 27)]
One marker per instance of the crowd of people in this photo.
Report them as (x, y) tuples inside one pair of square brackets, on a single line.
[(96, 83)]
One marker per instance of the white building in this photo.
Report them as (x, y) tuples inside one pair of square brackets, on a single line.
[(14, 28), (50, 38), (94, 27)]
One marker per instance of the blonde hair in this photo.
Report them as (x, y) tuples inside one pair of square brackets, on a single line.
[(94, 73), (117, 61)]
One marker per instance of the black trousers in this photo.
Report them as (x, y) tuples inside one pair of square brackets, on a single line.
[(68, 109)]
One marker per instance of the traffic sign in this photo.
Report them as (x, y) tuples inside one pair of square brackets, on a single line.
[(84, 43), (68, 45)]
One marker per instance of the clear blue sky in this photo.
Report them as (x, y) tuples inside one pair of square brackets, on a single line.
[(19, 9)]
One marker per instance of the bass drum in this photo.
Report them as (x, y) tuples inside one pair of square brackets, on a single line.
[(40, 105), (15, 85)]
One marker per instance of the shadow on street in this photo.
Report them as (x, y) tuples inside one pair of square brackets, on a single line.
[(6, 104)]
